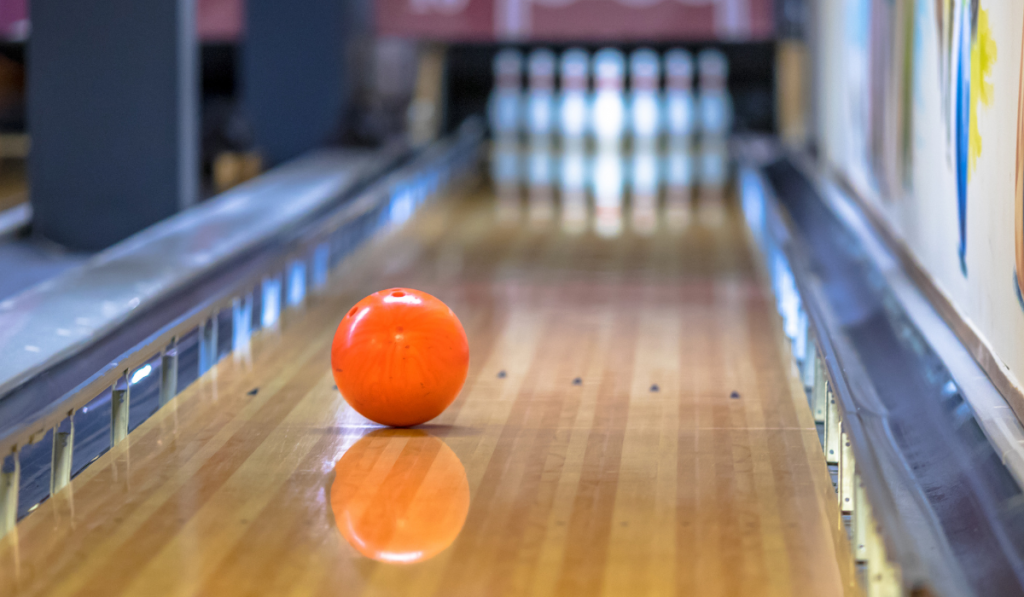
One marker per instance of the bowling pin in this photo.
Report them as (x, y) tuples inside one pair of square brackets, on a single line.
[(608, 108), (505, 104), (540, 96), (679, 102), (573, 101), (645, 106), (715, 116), (714, 102)]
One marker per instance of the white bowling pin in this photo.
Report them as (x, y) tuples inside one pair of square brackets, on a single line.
[(679, 102), (540, 96), (644, 97), (505, 104), (608, 109), (715, 109), (715, 104), (574, 96)]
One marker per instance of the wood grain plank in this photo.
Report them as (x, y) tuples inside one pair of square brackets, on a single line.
[(601, 446)]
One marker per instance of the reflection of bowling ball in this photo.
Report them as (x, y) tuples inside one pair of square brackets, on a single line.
[(400, 496), (400, 357)]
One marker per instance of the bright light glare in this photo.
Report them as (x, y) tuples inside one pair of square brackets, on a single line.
[(402, 207), (573, 114), (401, 558), (271, 302), (646, 114), (409, 299), (539, 112), (141, 374), (608, 181), (679, 109), (296, 283), (608, 116)]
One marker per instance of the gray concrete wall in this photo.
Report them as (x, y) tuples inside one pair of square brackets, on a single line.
[(112, 113)]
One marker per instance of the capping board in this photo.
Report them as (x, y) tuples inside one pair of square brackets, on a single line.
[(997, 371), (986, 382)]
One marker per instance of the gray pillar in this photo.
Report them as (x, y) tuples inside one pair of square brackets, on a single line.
[(112, 114), (294, 81)]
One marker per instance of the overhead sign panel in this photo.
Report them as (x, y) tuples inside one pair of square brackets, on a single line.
[(584, 20)]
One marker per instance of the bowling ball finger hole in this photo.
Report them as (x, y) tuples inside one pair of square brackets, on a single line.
[(352, 312), (398, 294)]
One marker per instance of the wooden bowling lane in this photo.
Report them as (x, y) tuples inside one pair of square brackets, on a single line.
[(630, 426)]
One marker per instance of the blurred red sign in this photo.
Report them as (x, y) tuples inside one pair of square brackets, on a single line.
[(583, 20), (216, 20), (220, 20), (13, 19)]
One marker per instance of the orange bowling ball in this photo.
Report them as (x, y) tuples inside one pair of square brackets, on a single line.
[(400, 357)]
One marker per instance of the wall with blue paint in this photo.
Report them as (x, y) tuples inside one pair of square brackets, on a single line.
[(955, 207)]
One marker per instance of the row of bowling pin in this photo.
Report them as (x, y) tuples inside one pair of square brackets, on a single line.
[(644, 169), (604, 183), (607, 176), (608, 113)]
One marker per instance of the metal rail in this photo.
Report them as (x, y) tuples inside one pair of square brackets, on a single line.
[(896, 532), (250, 290)]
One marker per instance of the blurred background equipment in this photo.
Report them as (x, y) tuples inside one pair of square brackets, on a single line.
[(115, 145), (743, 277), (296, 82)]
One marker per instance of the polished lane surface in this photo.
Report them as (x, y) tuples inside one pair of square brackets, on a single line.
[(631, 425)]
